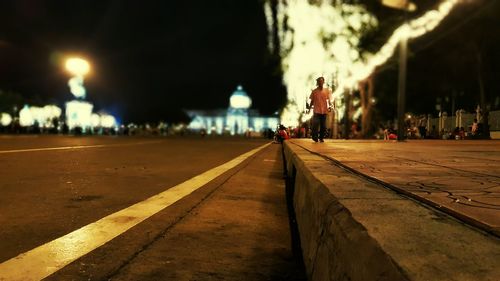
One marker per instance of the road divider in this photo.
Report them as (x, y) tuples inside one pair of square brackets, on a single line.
[(72, 147)]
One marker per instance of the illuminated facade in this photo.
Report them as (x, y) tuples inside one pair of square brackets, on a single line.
[(238, 119)]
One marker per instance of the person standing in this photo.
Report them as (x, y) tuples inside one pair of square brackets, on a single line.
[(475, 128), (321, 102)]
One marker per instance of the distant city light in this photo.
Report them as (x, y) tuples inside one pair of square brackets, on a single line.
[(95, 120), (25, 117), (240, 102), (5, 119), (235, 120), (108, 121), (44, 116), (240, 99), (78, 114)]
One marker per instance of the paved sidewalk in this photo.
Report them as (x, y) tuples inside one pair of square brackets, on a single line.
[(460, 177), (240, 232)]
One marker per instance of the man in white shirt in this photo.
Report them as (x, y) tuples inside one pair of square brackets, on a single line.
[(321, 101)]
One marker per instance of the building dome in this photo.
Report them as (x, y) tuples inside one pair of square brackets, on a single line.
[(240, 99)]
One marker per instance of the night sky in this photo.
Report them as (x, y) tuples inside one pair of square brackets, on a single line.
[(150, 59)]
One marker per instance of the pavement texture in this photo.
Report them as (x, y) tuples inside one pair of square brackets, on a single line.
[(459, 177), (235, 228), (358, 227), (45, 194)]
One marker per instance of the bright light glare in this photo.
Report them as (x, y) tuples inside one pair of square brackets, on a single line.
[(78, 114), (322, 40), (43, 116), (76, 87), (95, 120), (77, 66), (400, 4), (108, 121), (25, 117), (238, 101), (5, 119)]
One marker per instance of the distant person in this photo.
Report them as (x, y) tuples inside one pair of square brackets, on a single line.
[(392, 135), (421, 127), (321, 102), (282, 134), (461, 133), (475, 128)]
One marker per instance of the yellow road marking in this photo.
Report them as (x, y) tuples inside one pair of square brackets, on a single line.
[(46, 259), (71, 147)]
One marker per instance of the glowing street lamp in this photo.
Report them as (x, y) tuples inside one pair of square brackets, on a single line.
[(5, 119), (77, 66)]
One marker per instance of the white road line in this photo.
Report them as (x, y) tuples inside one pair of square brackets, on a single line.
[(71, 147), (52, 256)]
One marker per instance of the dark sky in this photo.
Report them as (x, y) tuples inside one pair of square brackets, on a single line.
[(150, 59)]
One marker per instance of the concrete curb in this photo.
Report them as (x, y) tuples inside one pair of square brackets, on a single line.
[(352, 229), (329, 234)]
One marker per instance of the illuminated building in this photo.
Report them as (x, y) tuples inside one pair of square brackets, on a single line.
[(78, 114), (238, 119)]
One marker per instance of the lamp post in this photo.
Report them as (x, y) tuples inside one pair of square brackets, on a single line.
[(406, 6), (403, 49), (78, 68)]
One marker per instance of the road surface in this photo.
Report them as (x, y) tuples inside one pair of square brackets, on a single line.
[(51, 186)]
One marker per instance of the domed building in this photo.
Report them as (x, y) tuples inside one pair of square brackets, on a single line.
[(237, 119)]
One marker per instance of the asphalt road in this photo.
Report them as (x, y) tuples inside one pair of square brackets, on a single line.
[(52, 185)]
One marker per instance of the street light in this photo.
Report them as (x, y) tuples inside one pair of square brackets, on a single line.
[(77, 66)]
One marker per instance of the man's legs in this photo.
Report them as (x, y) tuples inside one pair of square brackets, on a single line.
[(315, 124), (322, 126)]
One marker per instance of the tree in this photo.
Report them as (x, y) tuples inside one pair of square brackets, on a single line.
[(366, 90)]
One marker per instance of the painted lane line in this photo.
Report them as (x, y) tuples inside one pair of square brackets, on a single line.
[(46, 259), (72, 147)]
